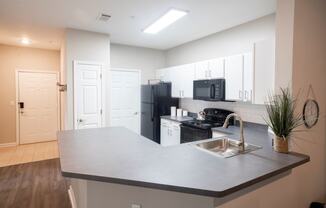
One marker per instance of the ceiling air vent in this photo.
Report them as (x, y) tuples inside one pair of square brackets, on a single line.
[(103, 17)]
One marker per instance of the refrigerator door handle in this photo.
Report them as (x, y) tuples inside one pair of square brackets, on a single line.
[(152, 104)]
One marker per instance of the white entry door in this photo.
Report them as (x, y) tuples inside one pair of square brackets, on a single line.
[(125, 99), (88, 95), (38, 107)]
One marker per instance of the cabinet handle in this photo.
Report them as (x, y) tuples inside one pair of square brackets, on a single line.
[(246, 95), (240, 94)]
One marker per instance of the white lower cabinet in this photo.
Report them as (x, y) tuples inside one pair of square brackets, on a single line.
[(170, 132)]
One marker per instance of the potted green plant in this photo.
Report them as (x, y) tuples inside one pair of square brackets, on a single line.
[(282, 118)]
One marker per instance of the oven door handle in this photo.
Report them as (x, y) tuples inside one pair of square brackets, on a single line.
[(212, 91)]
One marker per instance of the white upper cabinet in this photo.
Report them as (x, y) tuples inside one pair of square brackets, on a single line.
[(211, 69), (175, 74), (163, 75), (248, 77), (187, 80), (264, 70), (216, 68), (201, 70), (234, 78), (182, 81)]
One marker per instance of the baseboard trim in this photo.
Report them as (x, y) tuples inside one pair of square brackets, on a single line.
[(8, 144)]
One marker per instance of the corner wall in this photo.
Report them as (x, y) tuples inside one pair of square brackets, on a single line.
[(132, 57), (81, 46)]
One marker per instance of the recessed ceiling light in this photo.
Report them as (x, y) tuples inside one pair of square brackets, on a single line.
[(25, 41), (167, 19)]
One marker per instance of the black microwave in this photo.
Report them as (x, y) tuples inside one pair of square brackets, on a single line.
[(209, 90)]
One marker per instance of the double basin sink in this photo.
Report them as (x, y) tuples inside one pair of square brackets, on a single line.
[(225, 147)]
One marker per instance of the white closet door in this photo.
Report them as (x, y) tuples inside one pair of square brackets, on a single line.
[(125, 99), (88, 95)]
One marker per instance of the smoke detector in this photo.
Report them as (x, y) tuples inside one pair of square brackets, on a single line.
[(103, 17)]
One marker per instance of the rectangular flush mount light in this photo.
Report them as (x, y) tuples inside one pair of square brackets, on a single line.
[(167, 19)]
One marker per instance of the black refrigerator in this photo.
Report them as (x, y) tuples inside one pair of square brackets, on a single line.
[(156, 101)]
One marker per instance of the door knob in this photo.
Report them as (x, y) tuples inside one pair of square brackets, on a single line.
[(80, 120), (135, 113)]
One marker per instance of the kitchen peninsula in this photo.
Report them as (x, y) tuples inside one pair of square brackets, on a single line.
[(104, 163)]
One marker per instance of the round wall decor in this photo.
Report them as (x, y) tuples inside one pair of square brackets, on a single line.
[(310, 113)]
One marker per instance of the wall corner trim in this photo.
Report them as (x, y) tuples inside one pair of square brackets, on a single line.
[(11, 144)]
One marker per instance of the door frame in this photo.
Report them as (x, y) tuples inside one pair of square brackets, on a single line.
[(103, 106), (17, 71), (139, 91)]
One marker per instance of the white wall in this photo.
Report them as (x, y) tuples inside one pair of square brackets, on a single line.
[(144, 59), (236, 40), (233, 41), (82, 46), (284, 38)]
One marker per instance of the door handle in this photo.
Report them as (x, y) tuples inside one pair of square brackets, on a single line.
[(80, 120), (135, 113), (21, 105)]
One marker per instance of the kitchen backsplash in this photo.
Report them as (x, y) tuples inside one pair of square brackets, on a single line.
[(248, 112)]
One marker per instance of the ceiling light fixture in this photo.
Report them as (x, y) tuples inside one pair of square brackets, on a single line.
[(167, 19), (25, 41)]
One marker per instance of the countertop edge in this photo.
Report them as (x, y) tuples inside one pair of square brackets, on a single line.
[(217, 194)]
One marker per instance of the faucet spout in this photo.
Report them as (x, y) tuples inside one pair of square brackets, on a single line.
[(225, 125)]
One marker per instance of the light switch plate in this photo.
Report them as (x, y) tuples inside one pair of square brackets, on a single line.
[(135, 206)]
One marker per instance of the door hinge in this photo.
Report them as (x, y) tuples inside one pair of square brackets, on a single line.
[(100, 76), (101, 111)]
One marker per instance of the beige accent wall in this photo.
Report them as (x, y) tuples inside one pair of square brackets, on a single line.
[(11, 59)]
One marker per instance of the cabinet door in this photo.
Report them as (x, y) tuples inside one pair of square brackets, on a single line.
[(175, 78), (264, 52), (248, 75), (234, 77), (186, 79), (175, 129), (201, 70), (164, 132), (163, 75), (216, 68)]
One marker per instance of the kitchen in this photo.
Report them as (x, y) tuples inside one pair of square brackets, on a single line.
[(163, 104), (245, 78), (167, 169)]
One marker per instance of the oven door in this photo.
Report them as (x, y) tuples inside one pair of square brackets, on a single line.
[(191, 134)]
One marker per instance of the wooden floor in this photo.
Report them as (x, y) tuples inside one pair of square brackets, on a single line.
[(28, 153), (33, 185)]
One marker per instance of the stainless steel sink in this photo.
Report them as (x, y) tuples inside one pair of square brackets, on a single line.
[(225, 147)]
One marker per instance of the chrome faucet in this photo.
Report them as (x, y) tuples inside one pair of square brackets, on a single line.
[(225, 125)]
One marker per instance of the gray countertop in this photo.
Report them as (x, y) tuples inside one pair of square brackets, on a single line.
[(178, 119), (117, 155)]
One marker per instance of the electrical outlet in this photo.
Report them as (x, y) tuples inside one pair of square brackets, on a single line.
[(135, 206)]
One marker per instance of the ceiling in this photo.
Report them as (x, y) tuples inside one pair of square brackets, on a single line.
[(43, 21)]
